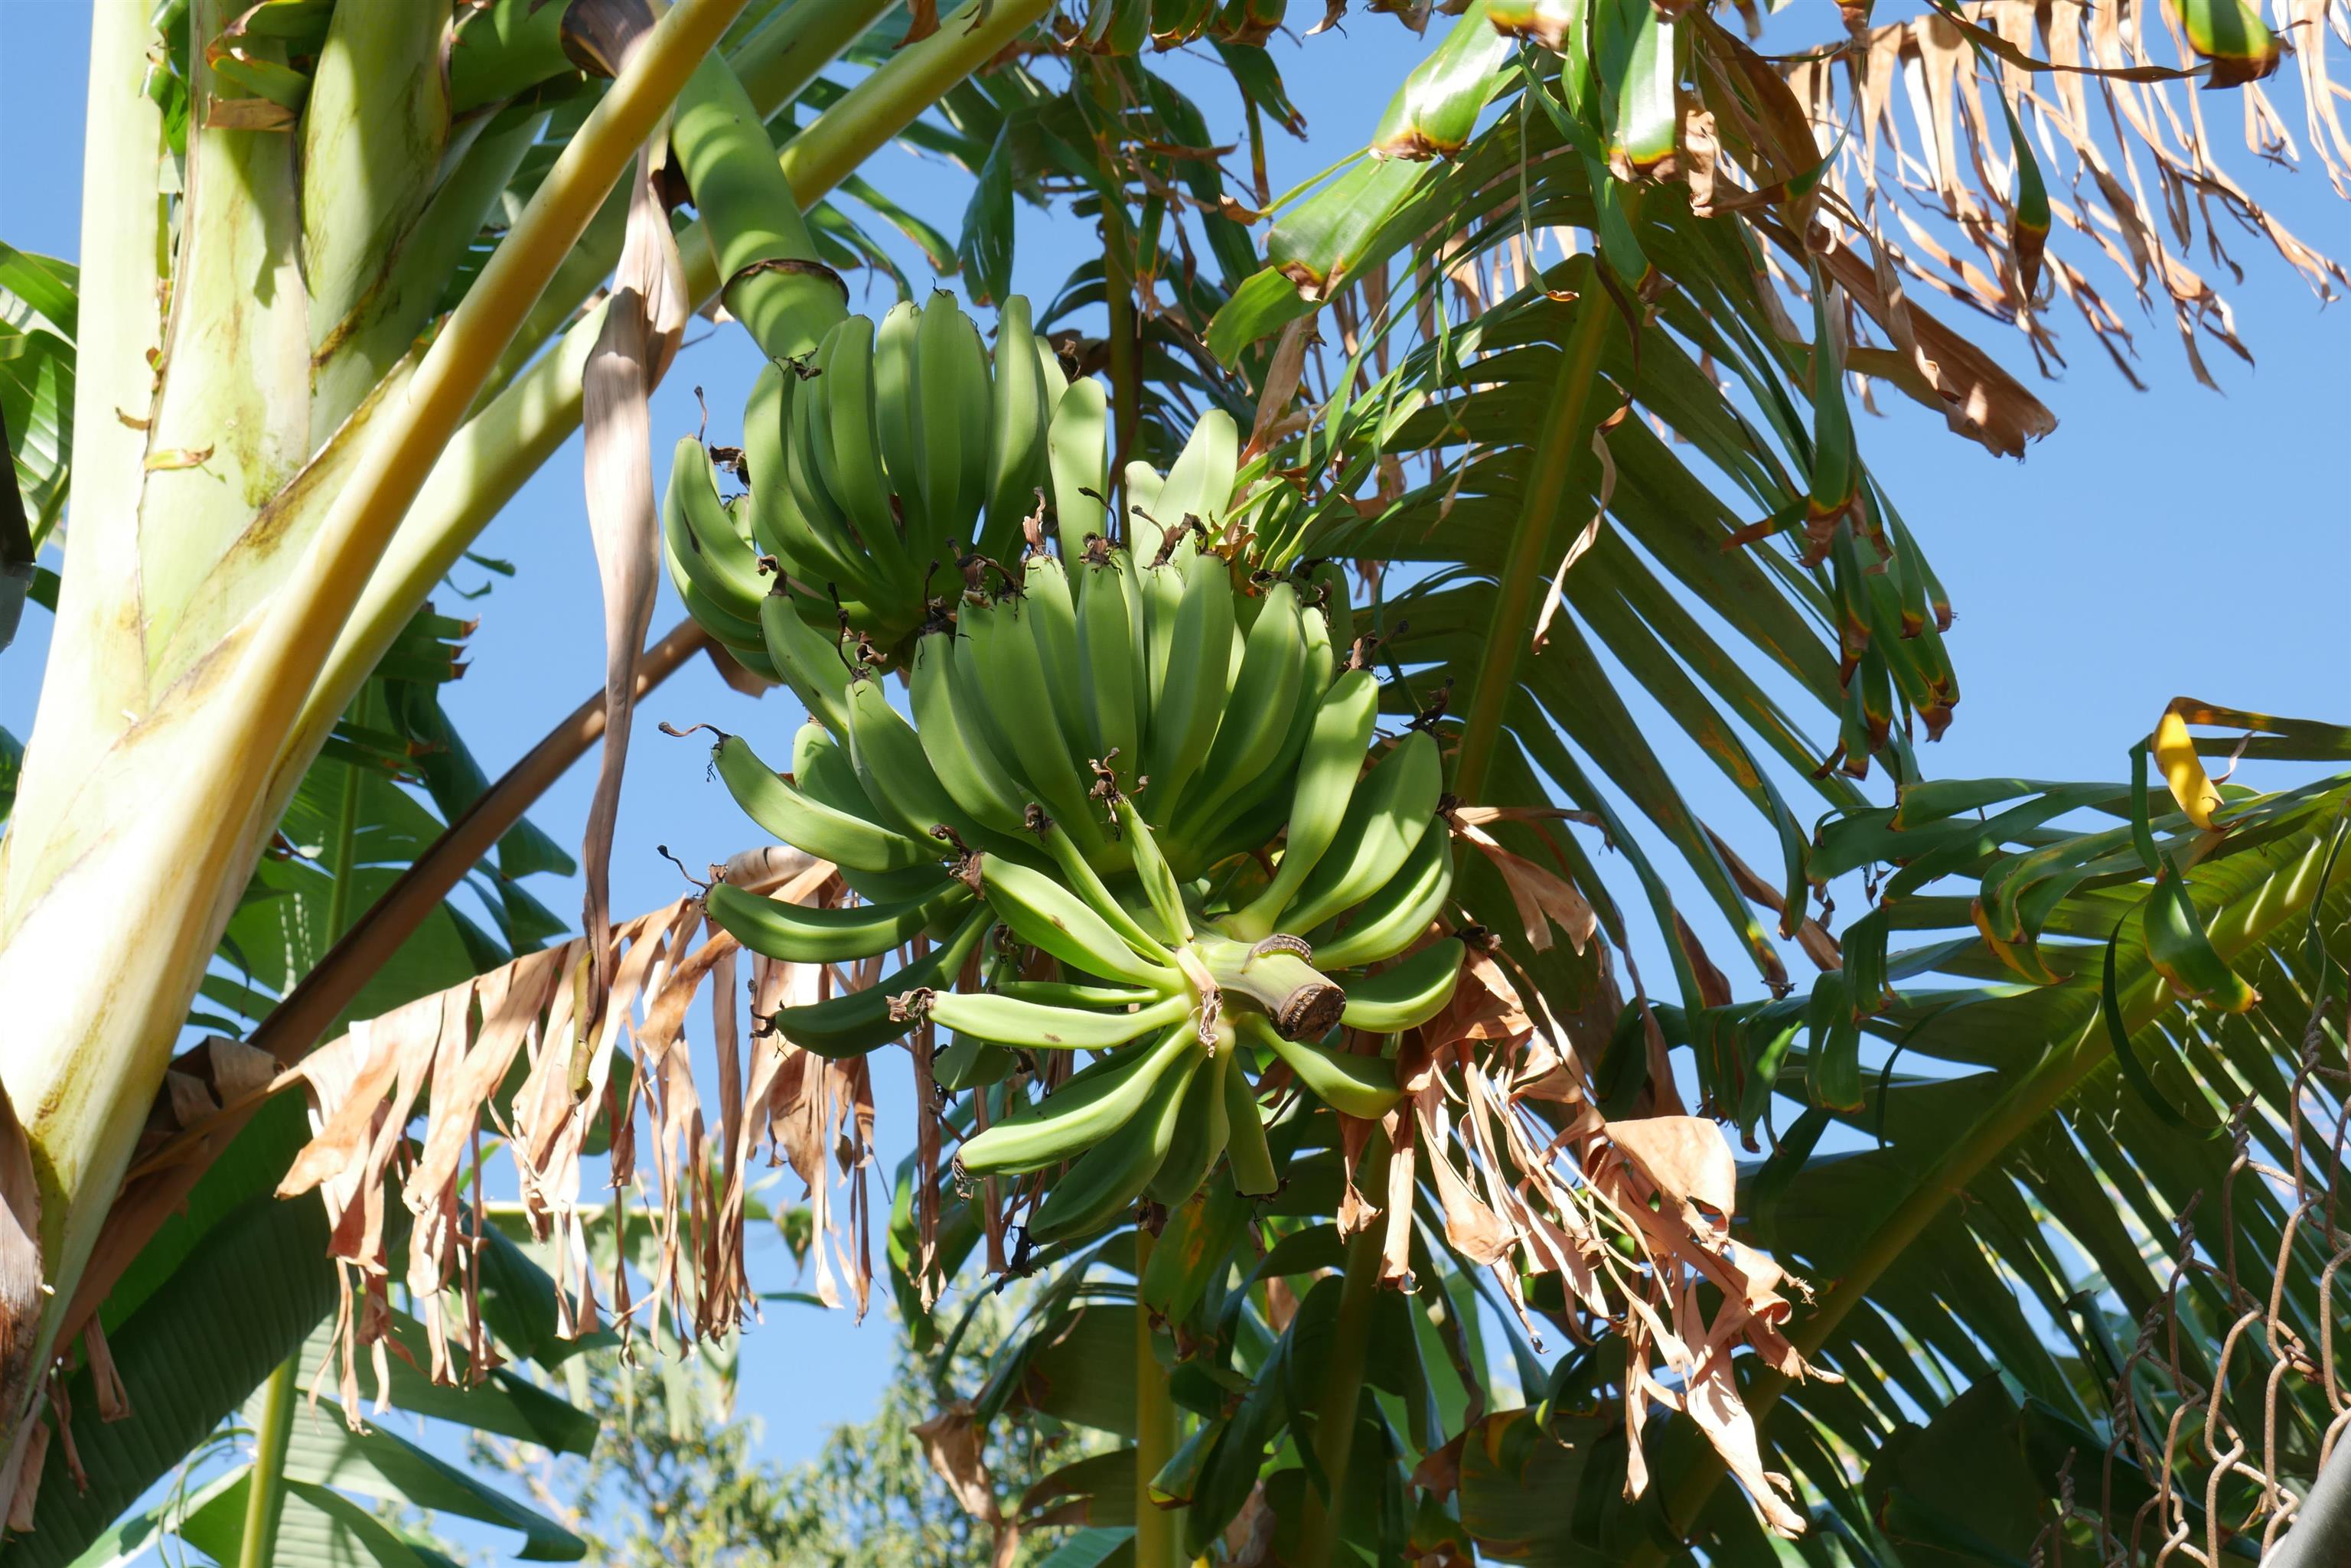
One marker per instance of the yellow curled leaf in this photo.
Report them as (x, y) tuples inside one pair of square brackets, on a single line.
[(2175, 753)]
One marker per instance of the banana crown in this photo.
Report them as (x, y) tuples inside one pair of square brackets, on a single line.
[(1149, 772)]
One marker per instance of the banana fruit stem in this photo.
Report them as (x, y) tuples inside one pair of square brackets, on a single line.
[(1302, 1001), (1155, 1545), (1342, 1378)]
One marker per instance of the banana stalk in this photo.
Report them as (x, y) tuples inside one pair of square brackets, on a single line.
[(770, 277), (264, 1497), (1156, 1530), (1342, 1374), (375, 129)]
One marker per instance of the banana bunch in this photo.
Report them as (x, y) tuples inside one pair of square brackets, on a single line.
[(1127, 811), (895, 450)]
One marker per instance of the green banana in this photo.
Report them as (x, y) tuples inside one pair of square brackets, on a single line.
[(1142, 534), (1051, 618), (1270, 671), (1050, 917), (1398, 915), (1200, 484), (712, 616), (1096, 1192), (1257, 812), (798, 933), (1106, 654), (897, 409), (1327, 771), (895, 774), (1008, 1020), (849, 462), (855, 1022), (1077, 450), (1017, 468), (764, 414), (951, 376), (698, 532), (1408, 995), (1091, 1107), (1063, 994), (963, 758), (805, 454), (1247, 1153), (779, 807), (1192, 684), (1202, 1127), (1159, 883), (1013, 676), (809, 660), (1160, 596), (1360, 1086), (777, 524), (976, 422), (1386, 818)]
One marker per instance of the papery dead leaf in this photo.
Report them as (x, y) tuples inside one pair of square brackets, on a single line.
[(952, 1441), (1687, 1157), (644, 318), (1543, 897), (365, 1088)]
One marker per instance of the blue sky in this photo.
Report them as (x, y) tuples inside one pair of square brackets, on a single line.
[(2172, 543)]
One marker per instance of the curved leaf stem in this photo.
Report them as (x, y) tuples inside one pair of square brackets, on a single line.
[(1557, 445)]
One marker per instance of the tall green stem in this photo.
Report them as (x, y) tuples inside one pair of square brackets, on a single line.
[(1558, 445), (1155, 1430), (1342, 1375), (265, 1495)]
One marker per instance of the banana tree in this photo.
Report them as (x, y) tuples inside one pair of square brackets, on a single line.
[(1635, 451)]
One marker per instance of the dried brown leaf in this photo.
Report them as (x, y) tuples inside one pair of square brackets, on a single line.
[(644, 318), (1544, 897)]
